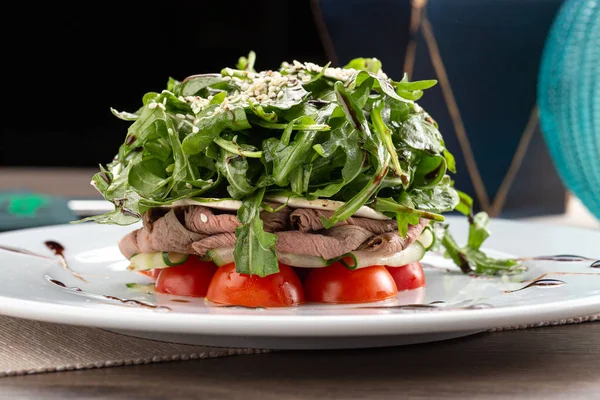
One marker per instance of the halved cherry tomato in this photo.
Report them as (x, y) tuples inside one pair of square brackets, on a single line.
[(409, 276), (282, 289), (301, 272), (338, 284), (189, 279), (151, 273)]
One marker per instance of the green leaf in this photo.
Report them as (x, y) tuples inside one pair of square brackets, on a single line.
[(416, 85), (438, 199), (405, 219), (478, 230), (366, 64), (471, 259), (174, 86), (260, 112), (450, 162), (254, 251), (345, 138), (235, 168), (404, 206), (247, 63), (465, 203), (429, 172), (485, 265), (210, 124), (146, 183), (386, 136), (287, 157), (455, 253), (420, 135), (195, 83), (124, 115)]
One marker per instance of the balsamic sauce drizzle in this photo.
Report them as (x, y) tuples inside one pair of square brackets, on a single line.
[(563, 258), (24, 252), (129, 302), (543, 283), (58, 250)]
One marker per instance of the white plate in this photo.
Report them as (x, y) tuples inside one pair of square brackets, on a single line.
[(462, 304)]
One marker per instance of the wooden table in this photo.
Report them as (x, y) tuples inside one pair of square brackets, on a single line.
[(545, 363)]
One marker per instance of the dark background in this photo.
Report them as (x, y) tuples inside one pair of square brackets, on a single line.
[(65, 66)]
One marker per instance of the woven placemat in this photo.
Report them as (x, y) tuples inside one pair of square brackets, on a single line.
[(30, 347)]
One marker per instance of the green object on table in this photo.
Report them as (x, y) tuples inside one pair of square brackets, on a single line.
[(19, 210)]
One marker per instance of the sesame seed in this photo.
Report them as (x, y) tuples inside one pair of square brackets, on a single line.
[(203, 218), (280, 95), (180, 116), (196, 121), (229, 71), (180, 125), (195, 129), (226, 78), (164, 101), (162, 106), (169, 131), (153, 105), (210, 97), (190, 117), (188, 185)]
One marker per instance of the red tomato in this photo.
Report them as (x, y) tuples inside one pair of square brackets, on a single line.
[(151, 273), (301, 272), (338, 284), (189, 279), (410, 276), (282, 289)]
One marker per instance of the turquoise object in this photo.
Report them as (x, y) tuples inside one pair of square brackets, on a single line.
[(569, 98)]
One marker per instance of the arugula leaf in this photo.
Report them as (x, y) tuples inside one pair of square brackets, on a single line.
[(247, 63), (420, 135), (195, 83), (478, 230), (235, 168), (439, 199), (365, 64), (288, 155), (470, 258), (388, 204), (211, 122), (465, 203), (386, 136), (124, 115), (254, 251), (356, 118)]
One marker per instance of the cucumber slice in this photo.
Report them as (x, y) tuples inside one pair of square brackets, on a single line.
[(221, 256), (146, 261), (300, 260), (362, 259), (140, 287), (224, 256), (427, 239), (172, 259)]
